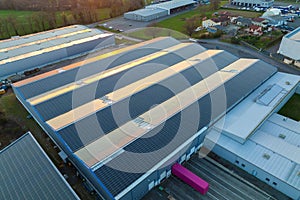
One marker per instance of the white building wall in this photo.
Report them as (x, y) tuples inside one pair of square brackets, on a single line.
[(258, 172)]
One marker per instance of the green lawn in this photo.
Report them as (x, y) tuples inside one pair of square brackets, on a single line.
[(292, 108), (177, 23), (153, 32)]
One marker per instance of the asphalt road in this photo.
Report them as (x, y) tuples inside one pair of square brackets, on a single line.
[(245, 52)]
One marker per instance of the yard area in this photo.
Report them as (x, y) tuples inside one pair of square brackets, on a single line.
[(264, 41), (177, 22), (292, 108)]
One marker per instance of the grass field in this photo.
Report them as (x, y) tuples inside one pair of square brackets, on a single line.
[(292, 108), (22, 19), (152, 32), (177, 22)]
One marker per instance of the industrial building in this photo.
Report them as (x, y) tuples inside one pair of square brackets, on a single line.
[(254, 137), (28, 173), (251, 3), (125, 117), (19, 54), (289, 46), (158, 10)]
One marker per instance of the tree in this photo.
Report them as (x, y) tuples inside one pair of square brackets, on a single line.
[(214, 4), (13, 23), (190, 25)]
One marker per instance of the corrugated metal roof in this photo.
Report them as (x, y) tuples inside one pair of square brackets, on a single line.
[(27, 173), (19, 41), (281, 132), (147, 11), (172, 4)]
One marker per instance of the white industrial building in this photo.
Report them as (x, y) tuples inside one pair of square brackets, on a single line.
[(290, 46), (251, 3), (254, 137), (155, 11), (19, 54)]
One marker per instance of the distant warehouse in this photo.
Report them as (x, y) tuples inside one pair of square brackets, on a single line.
[(125, 117), (159, 10), (37, 50)]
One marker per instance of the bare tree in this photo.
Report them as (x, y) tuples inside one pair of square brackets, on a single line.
[(214, 4), (190, 25)]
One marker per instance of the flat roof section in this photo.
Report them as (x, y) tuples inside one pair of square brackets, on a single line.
[(117, 139), (249, 113), (273, 148), (28, 173), (79, 64)]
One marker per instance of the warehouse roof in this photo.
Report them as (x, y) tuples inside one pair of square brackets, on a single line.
[(108, 115), (28, 173), (172, 4), (27, 46), (147, 11)]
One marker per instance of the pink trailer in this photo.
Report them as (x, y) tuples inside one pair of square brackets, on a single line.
[(190, 178)]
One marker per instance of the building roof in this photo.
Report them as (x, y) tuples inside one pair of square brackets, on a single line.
[(172, 4), (255, 27), (258, 19), (28, 173), (265, 139), (242, 121), (147, 11), (244, 20), (27, 46), (110, 116)]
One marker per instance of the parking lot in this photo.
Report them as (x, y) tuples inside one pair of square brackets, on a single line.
[(223, 185), (124, 24)]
